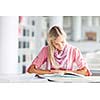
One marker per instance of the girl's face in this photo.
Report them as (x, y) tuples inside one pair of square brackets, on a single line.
[(59, 43)]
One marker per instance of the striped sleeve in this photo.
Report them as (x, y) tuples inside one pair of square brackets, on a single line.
[(79, 59), (41, 58)]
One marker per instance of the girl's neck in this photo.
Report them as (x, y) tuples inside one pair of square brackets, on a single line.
[(58, 51)]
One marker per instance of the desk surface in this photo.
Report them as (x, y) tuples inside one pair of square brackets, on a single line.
[(29, 78)]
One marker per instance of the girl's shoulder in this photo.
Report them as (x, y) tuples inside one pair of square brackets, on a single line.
[(45, 49), (71, 46)]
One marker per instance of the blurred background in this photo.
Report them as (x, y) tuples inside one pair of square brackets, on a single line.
[(22, 37)]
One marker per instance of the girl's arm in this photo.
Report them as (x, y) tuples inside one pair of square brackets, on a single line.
[(84, 71), (32, 69), (81, 63)]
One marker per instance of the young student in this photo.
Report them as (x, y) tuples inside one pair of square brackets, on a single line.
[(59, 56)]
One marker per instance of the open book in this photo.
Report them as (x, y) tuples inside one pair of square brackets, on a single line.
[(66, 75), (60, 77), (73, 74)]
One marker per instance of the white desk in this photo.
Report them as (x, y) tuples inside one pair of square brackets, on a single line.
[(20, 78), (29, 78)]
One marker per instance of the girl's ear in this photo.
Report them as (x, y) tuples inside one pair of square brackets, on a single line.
[(52, 43)]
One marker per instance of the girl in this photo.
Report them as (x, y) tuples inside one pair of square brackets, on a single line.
[(59, 56)]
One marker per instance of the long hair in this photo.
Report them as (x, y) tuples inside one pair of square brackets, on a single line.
[(53, 33)]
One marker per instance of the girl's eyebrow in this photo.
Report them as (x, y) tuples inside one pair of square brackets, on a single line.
[(56, 42), (60, 41)]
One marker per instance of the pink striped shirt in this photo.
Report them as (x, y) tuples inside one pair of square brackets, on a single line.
[(73, 56)]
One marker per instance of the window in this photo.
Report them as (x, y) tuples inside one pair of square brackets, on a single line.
[(27, 44), (32, 34), (19, 44), (84, 20), (27, 32), (95, 20), (46, 43), (33, 22), (48, 25), (24, 44), (67, 21), (19, 19), (24, 69), (24, 32), (18, 59), (24, 58)]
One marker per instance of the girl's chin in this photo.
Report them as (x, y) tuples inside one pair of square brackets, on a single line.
[(59, 50)]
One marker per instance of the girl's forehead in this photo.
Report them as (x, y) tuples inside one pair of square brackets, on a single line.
[(59, 38)]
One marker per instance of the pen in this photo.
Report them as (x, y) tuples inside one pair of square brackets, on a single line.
[(38, 76)]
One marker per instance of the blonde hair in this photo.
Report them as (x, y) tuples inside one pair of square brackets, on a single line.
[(53, 33)]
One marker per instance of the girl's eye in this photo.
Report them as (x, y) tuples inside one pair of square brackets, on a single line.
[(56, 44), (62, 42)]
